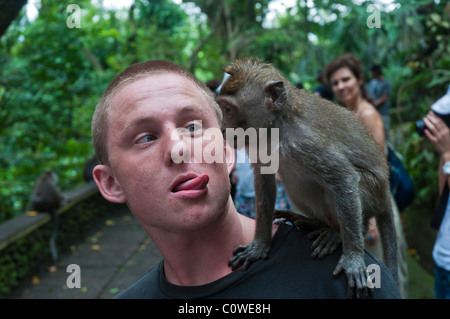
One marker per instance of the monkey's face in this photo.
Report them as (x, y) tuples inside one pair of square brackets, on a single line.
[(50, 177), (233, 117)]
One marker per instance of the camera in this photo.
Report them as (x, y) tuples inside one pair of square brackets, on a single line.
[(441, 108), (420, 124)]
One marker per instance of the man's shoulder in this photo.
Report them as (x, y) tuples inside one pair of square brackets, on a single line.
[(304, 277), (288, 273), (146, 287)]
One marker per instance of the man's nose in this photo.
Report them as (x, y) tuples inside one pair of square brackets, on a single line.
[(340, 85)]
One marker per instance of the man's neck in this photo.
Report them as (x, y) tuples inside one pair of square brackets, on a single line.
[(201, 257)]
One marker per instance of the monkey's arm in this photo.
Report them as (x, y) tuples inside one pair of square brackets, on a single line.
[(259, 248), (350, 216)]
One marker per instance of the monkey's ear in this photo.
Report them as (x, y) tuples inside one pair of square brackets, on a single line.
[(275, 94)]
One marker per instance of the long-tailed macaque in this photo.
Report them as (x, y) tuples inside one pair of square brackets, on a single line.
[(332, 168), (47, 198)]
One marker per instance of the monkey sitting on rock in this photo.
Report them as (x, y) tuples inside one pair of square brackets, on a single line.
[(331, 167)]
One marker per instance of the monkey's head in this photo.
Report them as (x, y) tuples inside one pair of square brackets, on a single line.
[(50, 176), (252, 95)]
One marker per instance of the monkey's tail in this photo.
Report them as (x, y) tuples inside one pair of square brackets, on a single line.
[(387, 231), (53, 248)]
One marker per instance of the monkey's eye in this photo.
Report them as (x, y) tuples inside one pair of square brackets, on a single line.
[(146, 139), (227, 110)]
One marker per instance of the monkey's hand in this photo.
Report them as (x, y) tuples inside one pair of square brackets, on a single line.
[(327, 241), (245, 255), (355, 270)]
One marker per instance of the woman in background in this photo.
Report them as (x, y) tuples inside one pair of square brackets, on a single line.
[(346, 78)]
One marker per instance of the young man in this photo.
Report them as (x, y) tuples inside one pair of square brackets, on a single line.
[(380, 90), (186, 208)]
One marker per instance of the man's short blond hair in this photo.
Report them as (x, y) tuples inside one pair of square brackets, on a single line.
[(100, 119)]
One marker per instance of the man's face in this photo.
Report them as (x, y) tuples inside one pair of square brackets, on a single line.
[(159, 192)]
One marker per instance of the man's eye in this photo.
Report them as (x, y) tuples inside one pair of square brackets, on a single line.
[(193, 127), (146, 139)]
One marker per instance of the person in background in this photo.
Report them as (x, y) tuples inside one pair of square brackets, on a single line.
[(438, 133), (380, 91), (323, 90), (242, 175), (244, 199), (347, 82)]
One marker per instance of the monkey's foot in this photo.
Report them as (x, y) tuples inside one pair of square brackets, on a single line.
[(327, 241), (245, 255), (355, 270)]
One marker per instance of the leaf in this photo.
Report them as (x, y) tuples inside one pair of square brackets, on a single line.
[(35, 280), (96, 247), (412, 252), (110, 222), (32, 213), (52, 268), (435, 17), (114, 290)]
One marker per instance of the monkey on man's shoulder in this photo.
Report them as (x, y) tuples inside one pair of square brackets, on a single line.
[(332, 168)]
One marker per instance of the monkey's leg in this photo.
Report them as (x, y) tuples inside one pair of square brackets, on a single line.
[(349, 210), (259, 248)]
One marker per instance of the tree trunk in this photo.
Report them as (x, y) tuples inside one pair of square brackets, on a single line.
[(9, 9)]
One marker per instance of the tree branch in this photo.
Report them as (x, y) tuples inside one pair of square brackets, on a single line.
[(193, 58), (8, 12)]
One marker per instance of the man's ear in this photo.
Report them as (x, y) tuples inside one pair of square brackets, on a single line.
[(107, 184), (230, 156), (275, 93)]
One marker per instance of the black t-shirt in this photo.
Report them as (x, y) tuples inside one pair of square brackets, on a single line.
[(288, 273)]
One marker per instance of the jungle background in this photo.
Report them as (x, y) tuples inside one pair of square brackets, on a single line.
[(52, 75)]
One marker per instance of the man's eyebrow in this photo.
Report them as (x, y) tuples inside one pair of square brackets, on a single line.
[(189, 109), (140, 121), (186, 110)]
